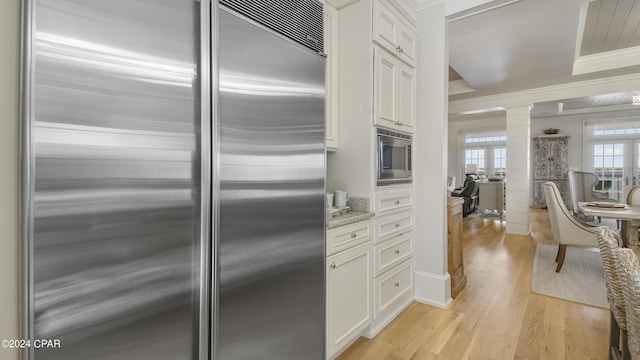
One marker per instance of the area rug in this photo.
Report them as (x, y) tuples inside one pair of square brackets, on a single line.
[(581, 278)]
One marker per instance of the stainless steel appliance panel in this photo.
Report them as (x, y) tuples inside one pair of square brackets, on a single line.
[(393, 158), (115, 134), (272, 168)]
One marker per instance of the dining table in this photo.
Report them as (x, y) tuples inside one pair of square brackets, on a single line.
[(629, 216)]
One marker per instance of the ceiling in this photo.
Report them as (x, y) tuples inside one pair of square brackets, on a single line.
[(525, 44), (611, 25)]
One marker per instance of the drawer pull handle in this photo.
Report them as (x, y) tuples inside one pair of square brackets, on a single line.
[(396, 284), (397, 202), (397, 225), (333, 265), (353, 235), (397, 251)]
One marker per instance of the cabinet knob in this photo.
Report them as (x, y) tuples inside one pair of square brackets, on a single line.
[(353, 235), (333, 265), (397, 251), (397, 225), (397, 202), (396, 284), (401, 50), (398, 48)]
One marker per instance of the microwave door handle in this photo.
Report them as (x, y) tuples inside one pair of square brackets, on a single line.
[(380, 155)]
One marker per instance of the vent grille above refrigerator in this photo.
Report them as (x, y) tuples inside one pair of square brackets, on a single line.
[(299, 20)]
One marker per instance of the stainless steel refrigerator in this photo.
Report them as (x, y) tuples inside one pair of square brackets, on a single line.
[(271, 247), (173, 179)]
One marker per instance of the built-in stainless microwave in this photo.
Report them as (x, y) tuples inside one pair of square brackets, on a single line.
[(393, 157)]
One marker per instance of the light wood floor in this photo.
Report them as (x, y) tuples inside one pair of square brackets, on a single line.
[(496, 316)]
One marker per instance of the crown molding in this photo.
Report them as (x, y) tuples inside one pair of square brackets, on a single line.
[(612, 84), (607, 60), (460, 7), (407, 7), (423, 4)]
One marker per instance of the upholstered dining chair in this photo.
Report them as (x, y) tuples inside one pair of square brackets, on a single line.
[(610, 254), (566, 229), (633, 198), (629, 275), (581, 187)]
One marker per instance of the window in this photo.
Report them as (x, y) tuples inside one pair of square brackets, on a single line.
[(500, 161), (485, 137), (613, 149), (474, 157), (615, 129), (487, 151)]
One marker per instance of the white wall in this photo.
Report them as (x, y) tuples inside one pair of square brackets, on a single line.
[(9, 180), (432, 281)]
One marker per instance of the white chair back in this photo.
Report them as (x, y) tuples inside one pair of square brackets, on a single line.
[(634, 196), (566, 229)]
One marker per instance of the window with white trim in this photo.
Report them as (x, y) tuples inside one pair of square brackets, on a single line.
[(487, 151), (613, 148)]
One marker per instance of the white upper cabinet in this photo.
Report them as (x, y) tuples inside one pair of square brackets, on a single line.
[(408, 45), (394, 85), (406, 98), (385, 84), (390, 32), (331, 32)]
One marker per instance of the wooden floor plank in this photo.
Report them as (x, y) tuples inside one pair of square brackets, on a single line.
[(495, 316)]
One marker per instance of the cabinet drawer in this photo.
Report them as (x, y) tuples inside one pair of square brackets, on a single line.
[(387, 201), (392, 252), (388, 226), (391, 286), (348, 236)]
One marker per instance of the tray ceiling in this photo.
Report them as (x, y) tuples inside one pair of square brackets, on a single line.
[(536, 43)]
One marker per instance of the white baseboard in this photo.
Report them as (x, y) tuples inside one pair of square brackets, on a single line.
[(433, 289)]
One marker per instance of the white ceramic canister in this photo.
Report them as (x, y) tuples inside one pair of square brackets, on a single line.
[(340, 198)]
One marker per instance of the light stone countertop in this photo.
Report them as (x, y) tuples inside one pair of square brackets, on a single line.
[(347, 218), (359, 212)]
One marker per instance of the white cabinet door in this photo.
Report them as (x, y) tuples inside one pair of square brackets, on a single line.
[(385, 84), (408, 46), (406, 98), (385, 26), (349, 296), (391, 33), (331, 31), (394, 85)]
